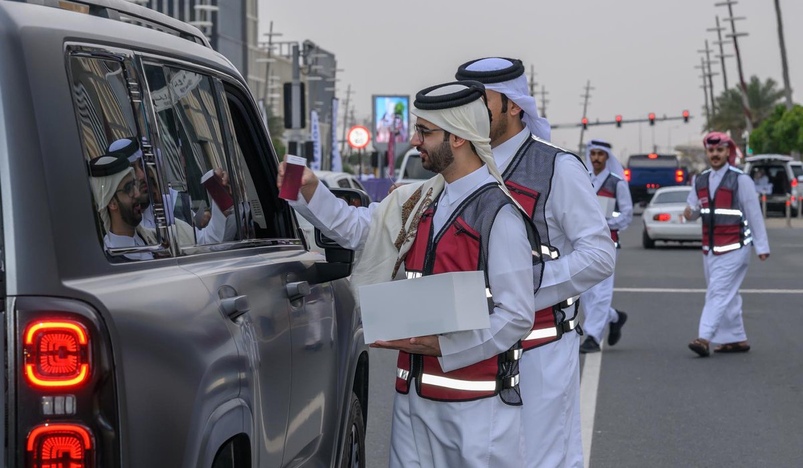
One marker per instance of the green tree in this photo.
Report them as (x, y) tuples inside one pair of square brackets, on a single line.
[(276, 129), (763, 97), (781, 132)]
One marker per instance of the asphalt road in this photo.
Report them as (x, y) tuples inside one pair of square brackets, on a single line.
[(658, 404)]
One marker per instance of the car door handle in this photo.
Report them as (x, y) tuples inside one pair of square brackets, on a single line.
[(234, 307), (297, 289)]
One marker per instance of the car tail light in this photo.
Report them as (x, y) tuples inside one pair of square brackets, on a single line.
[(662, 217), (66, 405), (60, 445), (652, 156), (56, 354), (794, 182), (679, 176), (627, 175)]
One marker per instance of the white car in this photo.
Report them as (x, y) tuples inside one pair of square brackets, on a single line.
[(411, 169), (340, 180), (664, 221)]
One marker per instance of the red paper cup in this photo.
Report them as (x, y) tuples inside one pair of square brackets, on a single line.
[(292, 177), (218, 193)]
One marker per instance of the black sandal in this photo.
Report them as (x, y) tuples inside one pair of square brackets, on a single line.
[(732, 348), (700, 347)]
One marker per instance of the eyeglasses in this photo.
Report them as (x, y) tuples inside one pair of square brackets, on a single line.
[(130, 188), (422, 131)]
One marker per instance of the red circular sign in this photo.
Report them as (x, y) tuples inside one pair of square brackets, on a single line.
[(358, 137)]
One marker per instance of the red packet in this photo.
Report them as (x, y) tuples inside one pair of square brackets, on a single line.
[(214, 186), (292, 177)]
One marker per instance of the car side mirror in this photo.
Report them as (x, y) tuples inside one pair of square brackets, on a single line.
[(334, 252)]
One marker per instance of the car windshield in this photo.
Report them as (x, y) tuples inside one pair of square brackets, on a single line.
[(797, 170), (415, 170), (675, 196)]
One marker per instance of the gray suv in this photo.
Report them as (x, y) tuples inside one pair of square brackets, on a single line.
[(158, 304)]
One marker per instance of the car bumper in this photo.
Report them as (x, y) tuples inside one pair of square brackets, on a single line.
[(671, 231)]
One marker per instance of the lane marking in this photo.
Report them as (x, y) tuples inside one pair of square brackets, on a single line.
[(702, 291), (589, 383)]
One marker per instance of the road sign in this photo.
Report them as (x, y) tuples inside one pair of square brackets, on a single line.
[(358, 137)]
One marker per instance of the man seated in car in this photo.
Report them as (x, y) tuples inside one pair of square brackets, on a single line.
[(763, 185), (116, 193)]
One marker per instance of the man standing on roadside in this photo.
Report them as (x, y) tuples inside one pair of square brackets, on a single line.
[(726, 199), (450, 410), (608, 178), (553, 187)]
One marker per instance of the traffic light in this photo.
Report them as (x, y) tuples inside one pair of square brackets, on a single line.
[(652, 118), (685, 116), (584, 122), (618, 119)]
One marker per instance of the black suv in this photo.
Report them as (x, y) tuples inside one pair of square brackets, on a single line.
[(158, 305)]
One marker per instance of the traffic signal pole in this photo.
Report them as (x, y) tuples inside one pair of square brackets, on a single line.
[(685, 118)]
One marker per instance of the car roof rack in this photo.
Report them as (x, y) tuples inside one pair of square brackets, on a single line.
[(128, 12)]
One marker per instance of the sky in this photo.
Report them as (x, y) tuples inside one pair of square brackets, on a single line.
[(638, 55)]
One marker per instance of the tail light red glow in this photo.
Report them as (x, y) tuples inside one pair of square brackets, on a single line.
[(794, 182), (60, 445), (679, 176), (653, 156), (662, 217), (627, 175), (56, 354)]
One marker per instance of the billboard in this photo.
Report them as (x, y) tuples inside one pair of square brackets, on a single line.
[(391, 120)]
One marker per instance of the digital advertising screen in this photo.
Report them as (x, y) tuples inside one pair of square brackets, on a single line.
[(391, 120)]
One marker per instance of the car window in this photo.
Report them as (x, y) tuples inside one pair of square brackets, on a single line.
[(256, 168), (343, 183), (358, 184), (652, 160), (102, 84), (197, 197), (797, 170), (675, 196)]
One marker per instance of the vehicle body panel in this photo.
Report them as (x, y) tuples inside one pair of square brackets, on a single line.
[(664, 220)]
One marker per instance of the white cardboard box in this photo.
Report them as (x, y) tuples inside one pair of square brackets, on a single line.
[(429, 305), (607, 204)]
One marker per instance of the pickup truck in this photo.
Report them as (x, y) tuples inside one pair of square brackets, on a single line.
[(645, 173)]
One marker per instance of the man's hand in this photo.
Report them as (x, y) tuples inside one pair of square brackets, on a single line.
[(763, 257), (426, 345), (687, 213), (309, 182)]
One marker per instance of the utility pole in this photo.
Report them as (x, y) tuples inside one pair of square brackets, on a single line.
[(705, 90), (345, 120), (784, 64), (543, 101), (585, 97), (721, 55), (743, 85), (707, 71), (532, 80)]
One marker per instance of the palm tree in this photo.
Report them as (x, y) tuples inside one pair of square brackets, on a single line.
[(763, 97)]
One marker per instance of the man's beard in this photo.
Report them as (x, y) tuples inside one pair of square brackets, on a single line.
[(439, 158), (129, 215), (499, 128)]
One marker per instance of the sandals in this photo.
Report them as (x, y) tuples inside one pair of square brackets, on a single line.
[(741, 347), (699, 346)]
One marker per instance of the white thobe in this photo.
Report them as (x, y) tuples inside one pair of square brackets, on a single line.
[(550, 374), (721, 320), (428, 433), (596, 302), (114, 241), (187, 234)]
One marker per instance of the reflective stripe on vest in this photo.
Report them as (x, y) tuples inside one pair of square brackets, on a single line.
[(528, 177), (461, 245), (724, 226)]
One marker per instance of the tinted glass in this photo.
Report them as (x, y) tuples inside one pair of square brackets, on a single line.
[(797, 170), (675, 196), (642, 160), (105, 115), (198, 196)]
